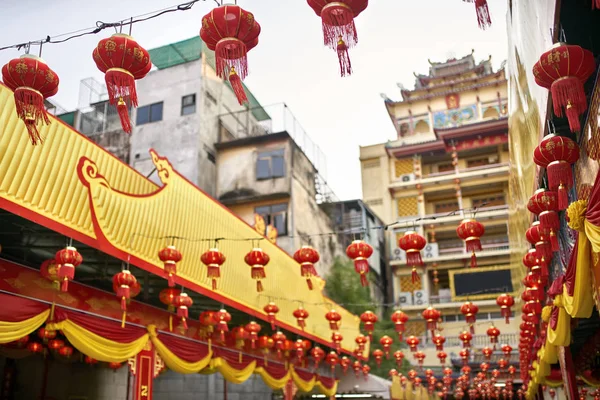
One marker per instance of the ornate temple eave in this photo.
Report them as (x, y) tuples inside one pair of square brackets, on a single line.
[(483, 128), (419, 148)]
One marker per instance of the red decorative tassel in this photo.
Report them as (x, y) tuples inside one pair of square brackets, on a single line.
[(121, 93), (506, 314), (338, 22), (549, 220), (123, 303), (473, 260), (66, 272), (258, 273), (64, 286), (31, 109), (554, 241), (259, 286), (238, 88), (363, 280), (573, 118), (170, 270), (563, 197), (344, 58), (415, 275), (214, 273), (231, 52), (472, 329), (309, 284), (333, 325), (568, 93), (483, 14), (308, 270), (413, 258), (271, 319), (361, 266), (171, 280), (124, 115)]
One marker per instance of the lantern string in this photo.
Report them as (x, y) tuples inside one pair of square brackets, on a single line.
[(100, 26)]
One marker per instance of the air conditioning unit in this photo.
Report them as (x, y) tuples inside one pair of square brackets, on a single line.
[(405, 299), (399, 254), (407, 177), (431, 250), (420, 298)]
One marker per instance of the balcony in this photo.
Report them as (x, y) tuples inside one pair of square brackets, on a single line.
[(443, 302)]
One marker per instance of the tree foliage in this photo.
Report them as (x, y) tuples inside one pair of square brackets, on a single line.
[(344, 287)]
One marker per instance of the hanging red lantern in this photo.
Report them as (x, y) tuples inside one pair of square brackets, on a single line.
[(279, 339), (318, 354), (502, 363), (470, 310), (386, 343), (393, 372), (49, 270), (399, 357), (337, 339), (466, 337), (339, 31), (170, 256), (66, 351), (366, 370), (412, 243), (532, 262), (222, 318), (114, 365), (257, 260), (369, 318), (447, 371), (361, 341), (431, 316), (420, 357), (544, 203), (55, 344), (442, 356), (69, 259), (213, 259), (439, 341), (122, 282), (413, 343), (360, 251), (35, 347), (167, 296), (299, 350), (399, 318), (357, 367), (123, 61), (483, 13), (307, 257), (334, 319), (332, 360), (253, 330), (183, 302), (378, 355), (32, 82), (557, 154), (89, 360), (505, 301), (271, 310), (46, 334), (301, 315), (345, 364), (412, 374), (563, 70), (537, 237), (493, 333), (484, 367), (265, 343), (208, 322), (230, 31), (471, 231), (507, 350)]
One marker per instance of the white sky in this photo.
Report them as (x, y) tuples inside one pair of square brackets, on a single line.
[(290, 64)]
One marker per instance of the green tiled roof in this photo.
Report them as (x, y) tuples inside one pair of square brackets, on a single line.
[(190, 50)]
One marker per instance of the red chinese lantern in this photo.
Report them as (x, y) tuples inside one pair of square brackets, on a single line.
[(257, 260), (537, 237), (46, 334), (471, 231), (318, 354), (360, 251), (68, 258), (253, 330), (55, 344), (299, 349), (307, 257), (265, 343), (505, 301), (493, 333), (170, 256), (412, 374), (332, 360), (66, 351), (466, 337), (122, 282), (122, 60), (334, 319), (89, 360), (442, 356), (447, 371), (502, 363), (399, 318), (32, 82), (393, 372), (279, 339), (544, 203), (420, 357), (114, 365), (357, 367), (563, 70), (484, 367), (240, 334), (557, 154), (369, 318), (399, 357), (337, 339), (271, 310), (366, 370), (412, 243), (378, 354), (213, 259), (301, 315), (49, 270), (207, 321), (230, 31), (183, 302), (345, 364), (483, 13), (466, 370), (507, 350), (431, 316), (35, 347), (222, 318), (532, 262), (386, 342), (361, 341), (412, 342), (439, 341), (339, 31), (470, 310), (167, 296)]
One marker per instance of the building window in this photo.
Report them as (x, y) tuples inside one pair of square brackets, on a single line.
[(489, 201), (270, 164), (445, 167), (150, 113), (188, 104), (446, 207), (478, 162), (275, 215)]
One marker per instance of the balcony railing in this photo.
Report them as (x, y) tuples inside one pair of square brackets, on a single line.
[(478, 341), (485, 247), (436, 177)]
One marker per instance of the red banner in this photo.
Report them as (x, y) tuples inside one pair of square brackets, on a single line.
[(482, 142), (145, 367)]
